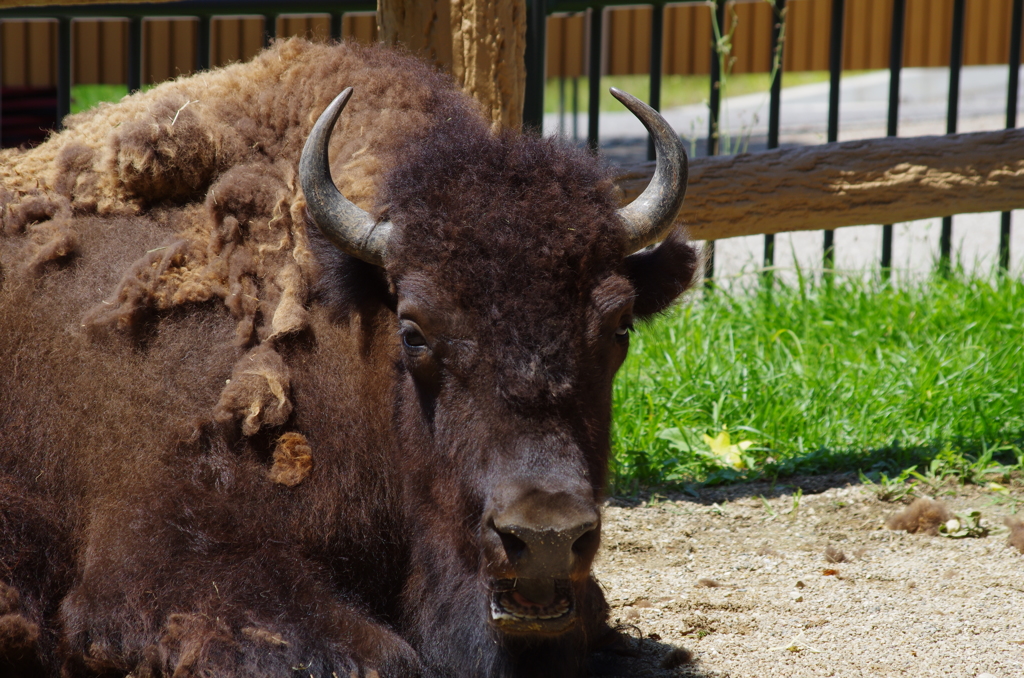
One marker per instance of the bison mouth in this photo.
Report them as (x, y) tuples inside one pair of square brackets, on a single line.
[(525, 606)]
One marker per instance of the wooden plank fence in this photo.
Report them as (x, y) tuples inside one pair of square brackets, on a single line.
[(687, 38), (29, 47), (100, 46)]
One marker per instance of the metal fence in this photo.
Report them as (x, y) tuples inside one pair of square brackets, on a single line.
[(952, 26), (867, 28), (169, 45), (266, 17), (913, 42)]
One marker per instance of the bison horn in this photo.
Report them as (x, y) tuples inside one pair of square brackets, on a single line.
[(349, 228), (650, 217)]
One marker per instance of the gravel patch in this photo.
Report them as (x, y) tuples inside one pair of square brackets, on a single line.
[(813, 585)]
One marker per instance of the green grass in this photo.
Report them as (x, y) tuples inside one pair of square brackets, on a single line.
[(84, 97), (818, 377), (676, 90)]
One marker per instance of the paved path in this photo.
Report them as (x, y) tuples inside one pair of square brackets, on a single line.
[(863, 110)]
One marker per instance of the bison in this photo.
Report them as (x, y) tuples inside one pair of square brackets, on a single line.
[(232, 444)]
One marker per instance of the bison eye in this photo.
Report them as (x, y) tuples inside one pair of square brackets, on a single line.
[(622, 333), (412, 338)]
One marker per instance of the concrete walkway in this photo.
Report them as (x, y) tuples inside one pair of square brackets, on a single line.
[(863, 113)]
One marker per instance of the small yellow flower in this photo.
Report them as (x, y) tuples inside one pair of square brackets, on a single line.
[(727, 452)]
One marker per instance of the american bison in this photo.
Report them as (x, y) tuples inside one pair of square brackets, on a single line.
[(232, 444)]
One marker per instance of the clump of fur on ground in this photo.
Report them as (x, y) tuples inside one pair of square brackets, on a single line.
[(923, 516), (676, 657), (1016, 538)]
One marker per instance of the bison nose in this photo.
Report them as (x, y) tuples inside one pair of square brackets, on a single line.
[(548, 544)]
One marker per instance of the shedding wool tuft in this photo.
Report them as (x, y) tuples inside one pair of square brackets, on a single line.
[(18, 635), (191, 640), (10, 601), (257, 393), (264, 636), (293, 460), (211, 159)]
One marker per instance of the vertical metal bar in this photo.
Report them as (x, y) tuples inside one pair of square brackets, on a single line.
[(715, 96), (63, 69), (956, 53), (203, 43), (895, 68), (561, 105), (575, 109), (895, 64), (835, 68), (594, 74), (657, 48), (134, 60), (775, 99), (1015, 53), (1011, 116), (774, 104), (536, 43), (714, 109), (269, 29), (336, 23)]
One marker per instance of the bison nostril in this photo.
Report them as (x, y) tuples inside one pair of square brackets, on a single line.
[(515, 547), (587, 543)]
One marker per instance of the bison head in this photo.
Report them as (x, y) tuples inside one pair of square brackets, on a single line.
[(515, 280)]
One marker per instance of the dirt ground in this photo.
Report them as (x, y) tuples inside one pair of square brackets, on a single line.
[(739, 577)]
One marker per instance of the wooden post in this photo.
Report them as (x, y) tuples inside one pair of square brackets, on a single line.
[(482, 43)]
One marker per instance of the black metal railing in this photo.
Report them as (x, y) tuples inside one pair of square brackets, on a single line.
[(774, 108), (899, 8), (956, 59), (536, 82), (538, 11), (204, 12)]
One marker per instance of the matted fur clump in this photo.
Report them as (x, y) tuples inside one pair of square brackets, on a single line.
[(923, 516), (212, 159), (1016, 538)]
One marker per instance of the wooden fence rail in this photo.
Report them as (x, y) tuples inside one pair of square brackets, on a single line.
[(851, 183)]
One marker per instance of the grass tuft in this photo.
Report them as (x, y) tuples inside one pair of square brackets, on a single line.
[(816, 377), (84, 97), (676, 90)]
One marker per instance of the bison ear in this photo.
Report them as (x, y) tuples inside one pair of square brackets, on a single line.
[(661, 274)]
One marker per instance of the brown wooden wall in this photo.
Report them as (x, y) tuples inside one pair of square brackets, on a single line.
[(100, 47), (687, 38), (29, 47), (25, 63)]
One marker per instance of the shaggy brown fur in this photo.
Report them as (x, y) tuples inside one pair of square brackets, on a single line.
[(924, 516), (217, 459)]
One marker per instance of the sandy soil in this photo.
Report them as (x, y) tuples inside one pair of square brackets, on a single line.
[(745, 585)]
